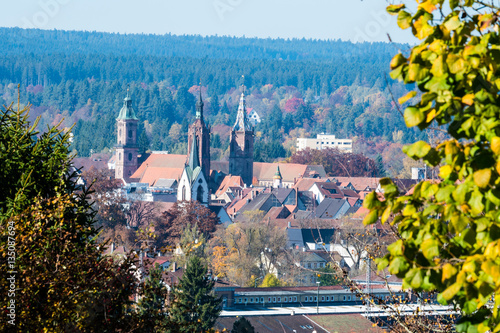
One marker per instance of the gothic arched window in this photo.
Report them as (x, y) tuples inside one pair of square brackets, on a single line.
[(183, 193), (199, 194)]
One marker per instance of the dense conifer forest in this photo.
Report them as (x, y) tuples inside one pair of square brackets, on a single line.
[(299, 87)]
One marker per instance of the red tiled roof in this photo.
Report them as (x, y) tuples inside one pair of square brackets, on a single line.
[(304, 184), (229, 181), (156, 166), (360, 183), (290, 172)]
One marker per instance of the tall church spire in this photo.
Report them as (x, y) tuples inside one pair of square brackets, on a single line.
[(199, 107), (194, 162), (241, 144), (242, 123)]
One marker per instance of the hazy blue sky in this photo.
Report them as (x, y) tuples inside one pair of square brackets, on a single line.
[(324, 19)]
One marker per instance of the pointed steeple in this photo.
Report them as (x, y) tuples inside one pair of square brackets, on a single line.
[(194, 161), (277, 174), (242, 123), (199, 106), (127, 112)]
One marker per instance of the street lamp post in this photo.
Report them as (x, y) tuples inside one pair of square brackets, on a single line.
[(317, 299)]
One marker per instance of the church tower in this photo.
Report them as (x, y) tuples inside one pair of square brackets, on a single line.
[(201, 133), (241, 145), (126, 148)]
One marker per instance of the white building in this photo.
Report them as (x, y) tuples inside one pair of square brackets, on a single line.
[(324, 141)]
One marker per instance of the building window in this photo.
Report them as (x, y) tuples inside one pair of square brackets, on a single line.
[(130, 133), (130, 156), (200, 192)]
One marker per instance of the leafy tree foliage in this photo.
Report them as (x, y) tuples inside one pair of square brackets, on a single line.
[(328, 276), (193, 306), (187, 213), (270, 281), (242, 325), (337, 163), (449, 229), (63, 281)]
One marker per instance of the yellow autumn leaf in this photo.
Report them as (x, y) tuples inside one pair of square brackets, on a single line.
[(407, 97), (482, 177), (468, 99), (428, 6)]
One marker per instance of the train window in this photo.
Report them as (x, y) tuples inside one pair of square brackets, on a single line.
[(285, 299), (274, 299), (262, 299), (246, 300), (315, 298), (269, 299), (322, 298), (251, 300), (295, 298), (327, 298), (344, 297), (306, 299), (239, 300), (349, 298)]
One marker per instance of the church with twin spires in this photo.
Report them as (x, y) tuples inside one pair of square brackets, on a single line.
[(190, 176)]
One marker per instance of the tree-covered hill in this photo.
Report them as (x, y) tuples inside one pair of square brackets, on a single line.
[(299, 87)]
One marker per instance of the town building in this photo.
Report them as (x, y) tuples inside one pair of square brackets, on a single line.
[(241, 145), (126, 147), (324, 141)]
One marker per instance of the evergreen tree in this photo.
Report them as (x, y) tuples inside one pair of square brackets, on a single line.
[(151, 306), (242, 325), (143, 142), (63, 280), (194, 308), (380, 166)]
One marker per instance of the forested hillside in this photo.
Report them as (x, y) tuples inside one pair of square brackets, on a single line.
[(299, 87)]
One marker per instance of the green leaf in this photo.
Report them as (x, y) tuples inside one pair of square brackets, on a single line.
[(417, 150), (430, 248), (451, 291), (393, 9), (404, 19), (396, 248), (371, 218), (416, 282), (452, 23), (417, 73), (413, 116), (398, 266), (397, 60)]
